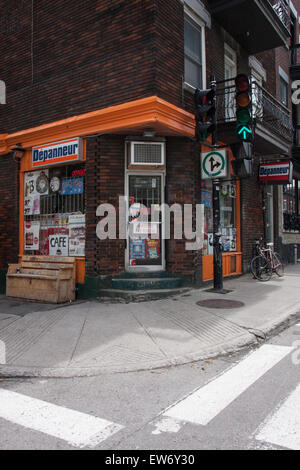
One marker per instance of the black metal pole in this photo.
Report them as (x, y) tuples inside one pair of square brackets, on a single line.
[(218, 262)]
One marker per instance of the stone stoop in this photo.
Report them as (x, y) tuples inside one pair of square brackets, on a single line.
[(138, 287)]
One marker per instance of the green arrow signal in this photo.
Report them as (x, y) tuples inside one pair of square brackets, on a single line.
[(244, 132)]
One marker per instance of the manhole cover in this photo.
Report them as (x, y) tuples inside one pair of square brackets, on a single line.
[(220, 303)]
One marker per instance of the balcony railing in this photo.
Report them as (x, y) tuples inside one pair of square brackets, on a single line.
[(266, 110), (282, 10)]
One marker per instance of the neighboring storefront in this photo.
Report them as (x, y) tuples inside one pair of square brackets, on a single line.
[(281, 200)]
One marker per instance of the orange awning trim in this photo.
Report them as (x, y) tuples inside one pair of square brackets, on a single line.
[(134, 116)]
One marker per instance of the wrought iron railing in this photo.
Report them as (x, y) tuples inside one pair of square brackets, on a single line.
[(282, 10), (266, 109)]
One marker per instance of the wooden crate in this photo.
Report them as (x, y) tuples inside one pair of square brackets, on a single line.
[(44, 278)]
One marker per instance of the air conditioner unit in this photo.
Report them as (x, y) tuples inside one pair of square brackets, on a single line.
[(146, 153)]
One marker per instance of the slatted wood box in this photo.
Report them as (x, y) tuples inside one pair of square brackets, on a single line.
[(43, 278)]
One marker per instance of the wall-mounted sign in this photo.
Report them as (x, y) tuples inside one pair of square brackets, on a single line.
[(57, 152), (276, 173), (214, 164)]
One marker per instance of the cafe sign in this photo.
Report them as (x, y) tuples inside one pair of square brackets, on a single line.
[(56, 153), (276, 173)]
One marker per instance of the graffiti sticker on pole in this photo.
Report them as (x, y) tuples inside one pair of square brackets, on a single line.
[(214, 164)]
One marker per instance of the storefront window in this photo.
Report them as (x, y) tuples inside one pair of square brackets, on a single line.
[(290, 195), (290, 206), (54, 211), (227, 216)]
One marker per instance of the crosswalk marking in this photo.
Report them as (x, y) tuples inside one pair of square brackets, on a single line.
[(206, 403), (78, 429), (283, 428)]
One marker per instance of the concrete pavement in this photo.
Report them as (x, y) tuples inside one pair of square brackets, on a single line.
[(91, 338)]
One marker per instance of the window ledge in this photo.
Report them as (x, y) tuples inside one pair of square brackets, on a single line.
[(189, 88)]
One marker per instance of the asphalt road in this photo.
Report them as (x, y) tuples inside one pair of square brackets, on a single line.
[(249, 400)]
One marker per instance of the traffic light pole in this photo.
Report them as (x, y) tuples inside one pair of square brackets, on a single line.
[(217, 245)]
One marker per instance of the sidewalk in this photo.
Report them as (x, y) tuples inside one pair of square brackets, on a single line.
[(90, 338)]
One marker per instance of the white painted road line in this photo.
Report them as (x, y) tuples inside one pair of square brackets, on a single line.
[(78, 429), (283, 428), (207, 402)]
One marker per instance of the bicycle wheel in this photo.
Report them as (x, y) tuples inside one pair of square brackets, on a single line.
[(278, 266), (261, 268)]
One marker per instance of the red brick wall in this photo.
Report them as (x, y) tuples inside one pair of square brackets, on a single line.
[(104, 184), (84, 56), (9, 212), (183, 187), (72, 57), (251, 215)]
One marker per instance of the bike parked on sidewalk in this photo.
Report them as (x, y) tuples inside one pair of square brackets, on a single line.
[(266, 262)]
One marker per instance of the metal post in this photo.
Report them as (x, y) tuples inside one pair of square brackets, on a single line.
[(218, 262)]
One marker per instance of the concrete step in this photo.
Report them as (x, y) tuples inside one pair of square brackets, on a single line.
[(146, 283), (120, 295)]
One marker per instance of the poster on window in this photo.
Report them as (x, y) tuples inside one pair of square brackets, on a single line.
[(72, 186), (152, 248), (32, 235), (210, 243), (36, 184), (137, 248), (77, 235)]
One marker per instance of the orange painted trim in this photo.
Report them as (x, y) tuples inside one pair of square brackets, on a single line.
[(208, 265), (151, 112)]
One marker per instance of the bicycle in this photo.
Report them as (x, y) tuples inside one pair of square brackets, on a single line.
[(266, 262)]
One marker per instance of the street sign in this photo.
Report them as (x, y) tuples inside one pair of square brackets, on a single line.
[(214, 164)]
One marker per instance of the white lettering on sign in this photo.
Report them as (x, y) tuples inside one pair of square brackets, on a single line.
[(276, 172), (57, 152)]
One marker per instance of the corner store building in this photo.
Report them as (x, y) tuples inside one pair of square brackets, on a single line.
[(108, 88)]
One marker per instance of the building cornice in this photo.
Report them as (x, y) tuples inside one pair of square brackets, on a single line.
[(134, 116)]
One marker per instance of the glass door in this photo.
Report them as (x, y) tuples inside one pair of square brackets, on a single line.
[(145, 247)]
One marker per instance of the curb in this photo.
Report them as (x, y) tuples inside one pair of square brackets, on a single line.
[(251, 338), (237, 344)]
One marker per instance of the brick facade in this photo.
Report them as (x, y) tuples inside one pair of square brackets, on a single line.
[(9, 213), (69, 58)]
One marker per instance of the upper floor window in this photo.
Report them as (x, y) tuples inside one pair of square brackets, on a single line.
[(193, 53), (283, 91)]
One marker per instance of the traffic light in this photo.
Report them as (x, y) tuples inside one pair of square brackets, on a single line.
[(242, 164), (244, 127), (205, 101)]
